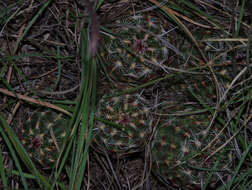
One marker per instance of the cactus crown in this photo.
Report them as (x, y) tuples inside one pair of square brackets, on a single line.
[(42, 136), (124, 122), (137, 49)]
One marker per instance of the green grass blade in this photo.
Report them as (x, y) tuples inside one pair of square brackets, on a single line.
[(2, 170), (90, 124), (242, 11), (59, 68), (10, 136), (3, 124), (211, 174), (230, 184), (76, 171), (81, 111), (32, 22)]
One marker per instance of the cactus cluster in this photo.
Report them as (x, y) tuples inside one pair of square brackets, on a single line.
[(42, 136), (137, 49), (124, 124)]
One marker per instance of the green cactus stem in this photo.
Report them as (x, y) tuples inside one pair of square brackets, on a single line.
[(124, 123), (42, 136), (138, 49), (183, 133)]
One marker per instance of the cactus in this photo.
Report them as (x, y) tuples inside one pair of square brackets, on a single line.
[(124, 123), (182, 134), (137, 49), (42, 136)]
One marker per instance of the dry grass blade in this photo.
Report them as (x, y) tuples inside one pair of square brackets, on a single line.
[(32, 100)]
